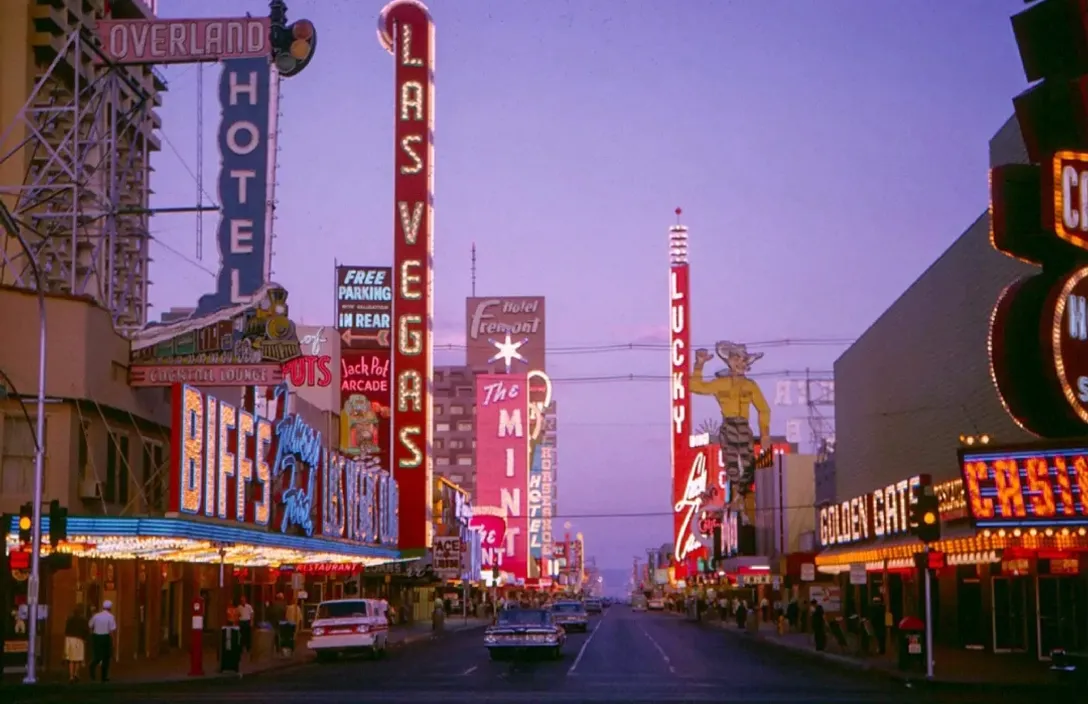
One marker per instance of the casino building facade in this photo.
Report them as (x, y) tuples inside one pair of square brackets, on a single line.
[(917, 402), (173, 492)]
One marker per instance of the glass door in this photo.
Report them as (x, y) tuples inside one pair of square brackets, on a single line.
[(1061, 610), (969, 612), (1010, 614)]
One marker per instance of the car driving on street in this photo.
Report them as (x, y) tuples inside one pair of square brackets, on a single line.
[(345, 626), (524, 631), (571, 615)]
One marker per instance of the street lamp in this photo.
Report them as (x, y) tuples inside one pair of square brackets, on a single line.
[(33, 586)]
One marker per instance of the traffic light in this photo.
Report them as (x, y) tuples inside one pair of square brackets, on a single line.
[(26, 522), (58, 523), (925, 517), (293, 44)]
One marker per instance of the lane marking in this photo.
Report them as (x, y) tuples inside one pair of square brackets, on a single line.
[(660, 650), (470, 670), (592, 634)]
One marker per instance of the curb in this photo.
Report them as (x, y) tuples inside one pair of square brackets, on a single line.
[(910, 680)]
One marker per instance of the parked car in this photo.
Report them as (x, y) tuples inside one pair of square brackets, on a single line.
[(593, 606), (656, 604), (571, 615), (344, 626), (524, 631)]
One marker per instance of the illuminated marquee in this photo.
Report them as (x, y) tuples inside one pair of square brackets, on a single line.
[(1026, 487), (230, 464), (538, 500), (1065, 197), (879, 514), (406, 30)]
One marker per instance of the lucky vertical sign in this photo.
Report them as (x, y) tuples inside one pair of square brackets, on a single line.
[(406, 31), (679, 377)]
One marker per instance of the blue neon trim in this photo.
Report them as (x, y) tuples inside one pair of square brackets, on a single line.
[(1037, 523), (1024, 454), (198, 530)]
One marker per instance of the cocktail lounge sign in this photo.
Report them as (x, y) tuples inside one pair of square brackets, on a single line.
[(247, 345), (879, 514), (232, 465)]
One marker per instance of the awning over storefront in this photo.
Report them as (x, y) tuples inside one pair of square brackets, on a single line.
[(898, 552), (181, 540)]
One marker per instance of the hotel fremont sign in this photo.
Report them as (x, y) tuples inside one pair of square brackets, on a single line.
[(883, 513)]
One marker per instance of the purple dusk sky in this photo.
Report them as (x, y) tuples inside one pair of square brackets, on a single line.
[(825, 153)]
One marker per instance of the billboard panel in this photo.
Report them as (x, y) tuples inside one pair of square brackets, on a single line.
[(502, 461), (488, 323), (365, 398), (364, 306), (183, 41)]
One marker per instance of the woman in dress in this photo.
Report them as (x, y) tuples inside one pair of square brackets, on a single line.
[(76, 634)]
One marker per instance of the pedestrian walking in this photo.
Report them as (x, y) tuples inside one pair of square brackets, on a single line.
[(76, 633), (819, 626), (292, 619), (102, 626), (245, 623), (276, 613)]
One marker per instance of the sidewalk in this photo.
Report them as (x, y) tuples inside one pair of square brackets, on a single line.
[(952, 666), (174, 667)]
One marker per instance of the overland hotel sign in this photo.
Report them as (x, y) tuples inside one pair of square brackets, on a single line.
[(246, 345)]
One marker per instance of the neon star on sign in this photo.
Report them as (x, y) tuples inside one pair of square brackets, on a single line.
[(508, 352)]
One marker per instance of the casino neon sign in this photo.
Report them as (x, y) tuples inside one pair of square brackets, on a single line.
[(1026, 487)]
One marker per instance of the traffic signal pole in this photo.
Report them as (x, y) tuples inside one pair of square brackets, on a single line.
[(929, 618)]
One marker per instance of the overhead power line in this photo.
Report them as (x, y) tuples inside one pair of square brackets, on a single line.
[(604, 348), (635, 378)]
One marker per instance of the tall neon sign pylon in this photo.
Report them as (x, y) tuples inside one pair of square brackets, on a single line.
[(679, 374)]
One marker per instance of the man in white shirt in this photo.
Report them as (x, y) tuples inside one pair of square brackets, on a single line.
[(103, 625), (245, 623)]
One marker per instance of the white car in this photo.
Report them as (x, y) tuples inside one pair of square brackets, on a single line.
[(344, 626), (656, 605)]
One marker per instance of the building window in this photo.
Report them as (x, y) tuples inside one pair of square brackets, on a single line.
[(439, 375), (438, 410), (464, 391), (439, 444), (442, 427), (457, 410), (464, 427), (17, 477), (457, 478), (473, 444), (156, 477), (117, 474), (456, 444), (441, 461), (464, 461)]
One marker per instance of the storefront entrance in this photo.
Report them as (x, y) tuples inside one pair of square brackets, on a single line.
[(1010, 614), (970, 612), (1063, 614)]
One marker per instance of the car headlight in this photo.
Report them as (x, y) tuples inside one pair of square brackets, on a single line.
[(490, 638), (319, 631)]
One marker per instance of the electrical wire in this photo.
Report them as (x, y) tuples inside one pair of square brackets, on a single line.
[(664, 346), (663, 514), (656, 378)]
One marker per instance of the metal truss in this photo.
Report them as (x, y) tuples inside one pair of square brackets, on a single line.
[(821, 415), (82, 141)]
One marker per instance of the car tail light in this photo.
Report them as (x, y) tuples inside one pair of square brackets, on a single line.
[(362, 629), (319, 631)]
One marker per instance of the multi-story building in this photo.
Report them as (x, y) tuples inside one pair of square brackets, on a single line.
[(455, 426), (60, 192)]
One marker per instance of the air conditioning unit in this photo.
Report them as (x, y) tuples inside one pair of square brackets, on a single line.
[(90, 489)]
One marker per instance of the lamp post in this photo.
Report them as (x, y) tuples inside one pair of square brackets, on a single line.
[(34, 584)]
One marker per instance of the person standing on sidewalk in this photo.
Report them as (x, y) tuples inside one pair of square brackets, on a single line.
[(245, 623), (276, 613), (102, 626), (819, 626), (76, 633), (292, 618)]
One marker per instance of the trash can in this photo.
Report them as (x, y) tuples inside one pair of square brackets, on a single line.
[(912, 645), (230, 649)]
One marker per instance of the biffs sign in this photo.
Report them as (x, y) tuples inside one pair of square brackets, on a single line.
[(243, 237), (232, 465), (882, 513), (502, 458), (1022, 486), (407, 32)]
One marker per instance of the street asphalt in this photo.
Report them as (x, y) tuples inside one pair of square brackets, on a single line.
[(625, 657)]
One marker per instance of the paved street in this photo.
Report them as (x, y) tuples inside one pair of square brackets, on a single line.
[(625, 657)]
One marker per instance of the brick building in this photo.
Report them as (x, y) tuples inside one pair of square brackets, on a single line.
[(455, 426)]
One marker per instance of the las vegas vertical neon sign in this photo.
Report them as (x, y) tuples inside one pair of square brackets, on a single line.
[(405, 30)]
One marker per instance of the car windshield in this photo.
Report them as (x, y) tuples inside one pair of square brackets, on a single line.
[(523, 617), (567, 608), (342, 609)]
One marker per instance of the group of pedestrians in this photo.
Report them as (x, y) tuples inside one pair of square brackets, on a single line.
[(99, 630)]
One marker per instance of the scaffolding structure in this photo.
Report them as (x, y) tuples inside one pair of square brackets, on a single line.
[(820, 399), (82, 141)]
